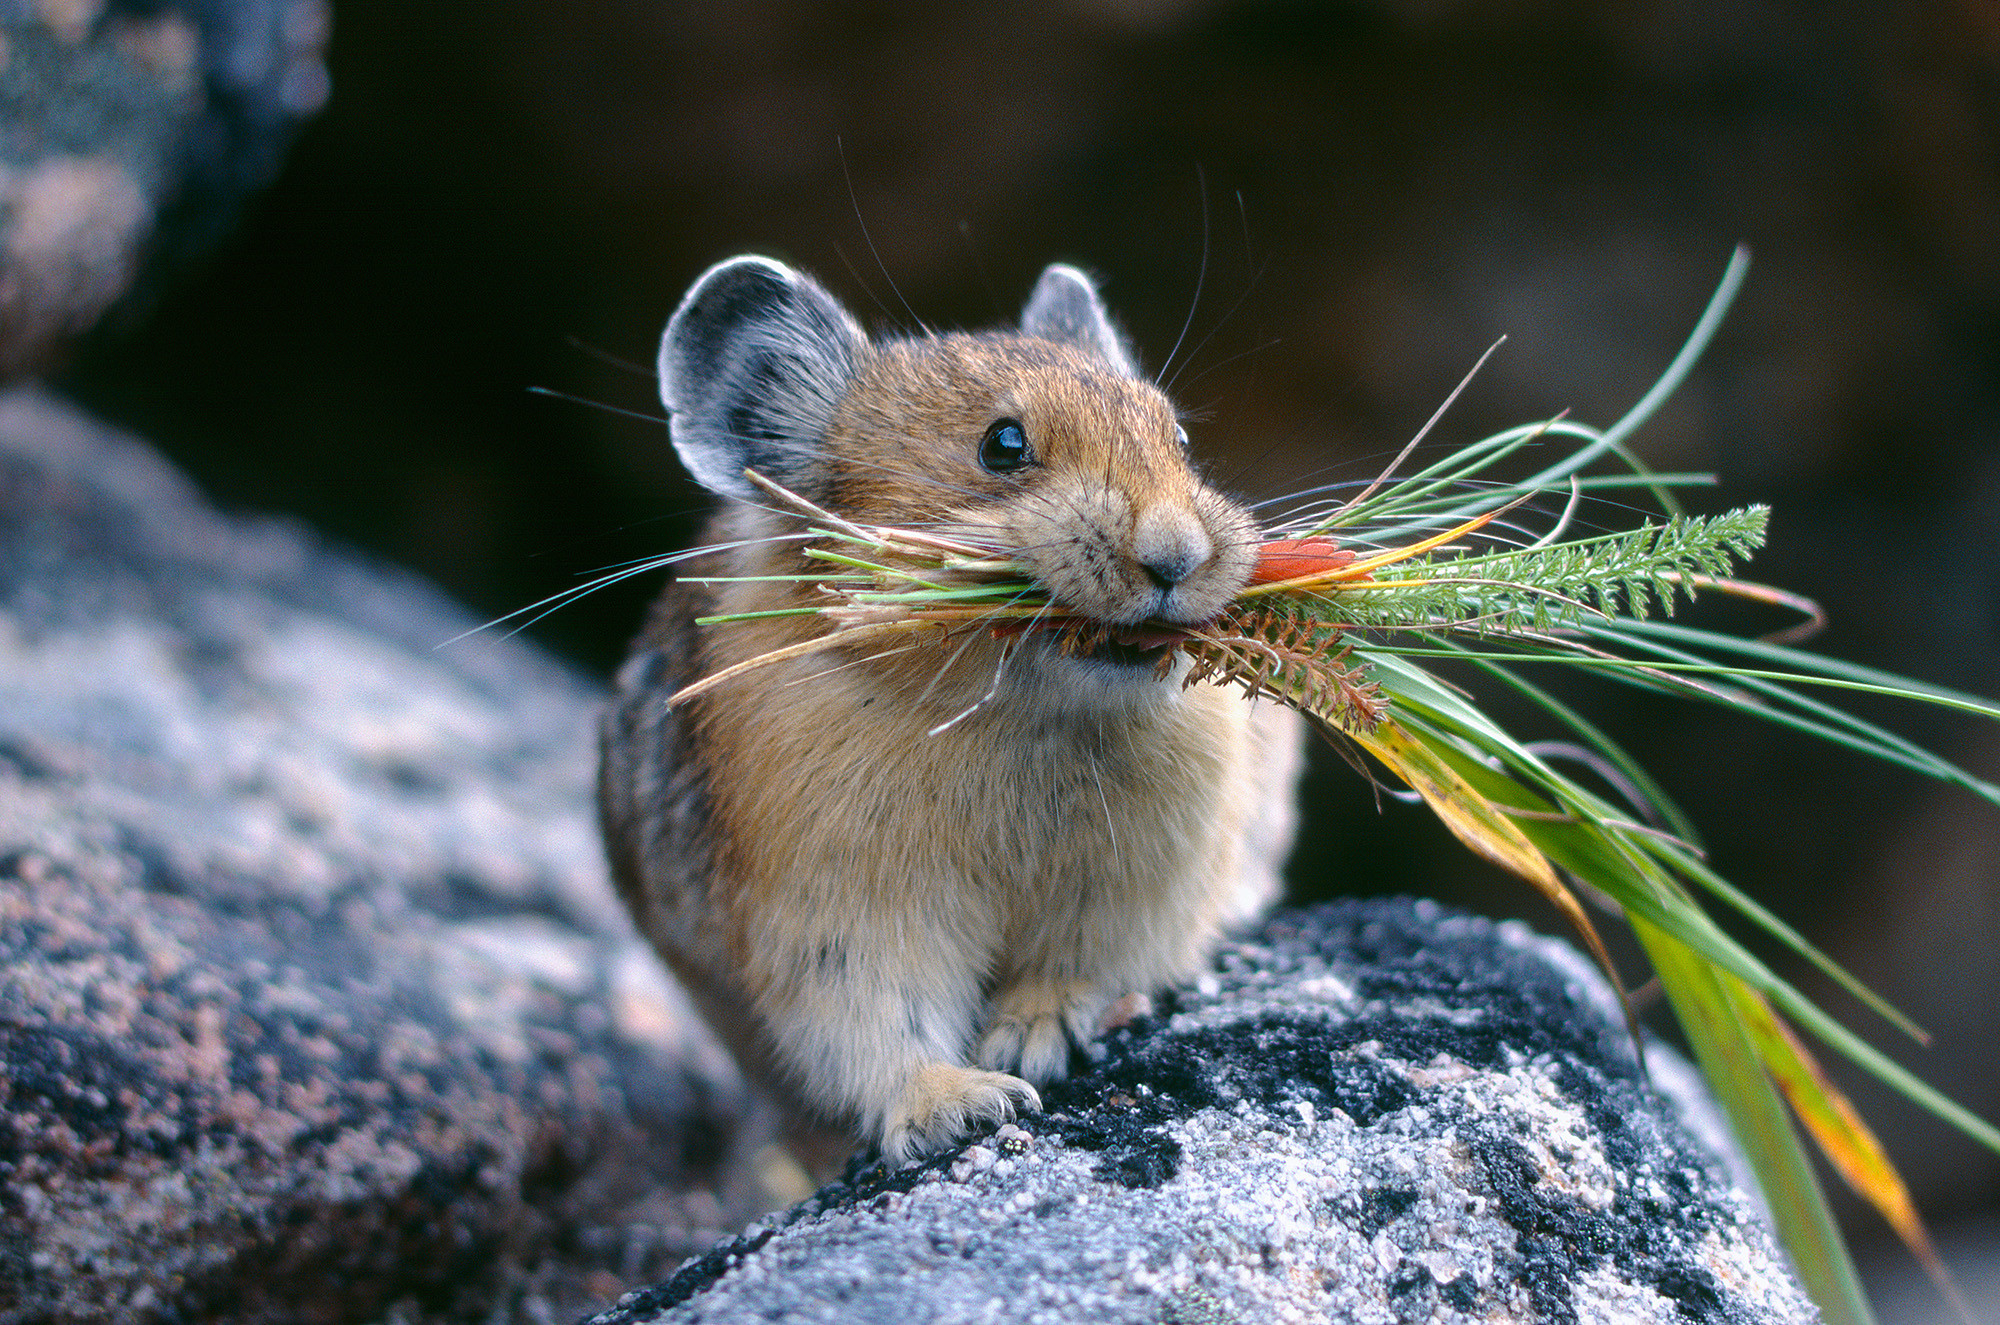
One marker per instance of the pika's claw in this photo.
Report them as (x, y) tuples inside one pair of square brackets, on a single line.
[(1034, 1026), (942, 1102), (1037, 1047)]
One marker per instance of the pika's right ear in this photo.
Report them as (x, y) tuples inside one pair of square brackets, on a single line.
[(752, 365), (1065, 307)]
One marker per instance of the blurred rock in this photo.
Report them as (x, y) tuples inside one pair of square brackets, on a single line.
[(314, 999), (1374, 1111), (130, 128)]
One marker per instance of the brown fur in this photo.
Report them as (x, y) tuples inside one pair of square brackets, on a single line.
[(867, 906)]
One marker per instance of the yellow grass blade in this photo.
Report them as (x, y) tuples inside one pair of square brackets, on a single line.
[(1735, 1069), (1846, 1141), (1485, 827), (856, 635), (1472, 818)]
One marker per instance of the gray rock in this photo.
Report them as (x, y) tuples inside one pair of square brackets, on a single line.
[(314, 998), (1371, 1112), (133, 129)]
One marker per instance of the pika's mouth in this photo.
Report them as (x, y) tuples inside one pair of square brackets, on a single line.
[(1149, 644), (1127, 655)]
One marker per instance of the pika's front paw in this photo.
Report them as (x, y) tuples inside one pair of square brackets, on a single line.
[(1034, 1025), (942, 1102)]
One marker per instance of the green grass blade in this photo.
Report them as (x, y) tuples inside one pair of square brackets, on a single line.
[(1669, 382), (1593, 737), (1466, 462), (1689, 866), (1736, 1074), (1442, 510), (1614, 860), (1692, 957), (1637, 874), (1811, 715), (1792, 660)]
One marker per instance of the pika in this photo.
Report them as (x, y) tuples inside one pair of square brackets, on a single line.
[(904, 930)]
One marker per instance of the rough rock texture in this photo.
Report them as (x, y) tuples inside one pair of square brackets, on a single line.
[(314, 999), (129, 126), (1371, 1112)]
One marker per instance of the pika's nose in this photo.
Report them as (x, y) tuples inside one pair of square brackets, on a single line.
[(1167, 571), (1169, 545)]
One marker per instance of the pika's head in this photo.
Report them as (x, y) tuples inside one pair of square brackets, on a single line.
[(1044, 442)]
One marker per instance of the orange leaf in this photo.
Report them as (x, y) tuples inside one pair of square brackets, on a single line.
[(1294, 558)]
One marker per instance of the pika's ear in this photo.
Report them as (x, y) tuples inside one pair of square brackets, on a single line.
[(752, 365), (1065, 308)]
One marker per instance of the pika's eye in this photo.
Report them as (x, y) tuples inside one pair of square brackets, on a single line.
[(1180, 433), (1005, 448)]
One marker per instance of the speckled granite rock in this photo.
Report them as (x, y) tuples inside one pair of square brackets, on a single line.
[(1371, 1112), (315, 1003), (133, 128)]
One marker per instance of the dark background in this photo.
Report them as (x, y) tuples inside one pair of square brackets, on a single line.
[(506, 195)]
